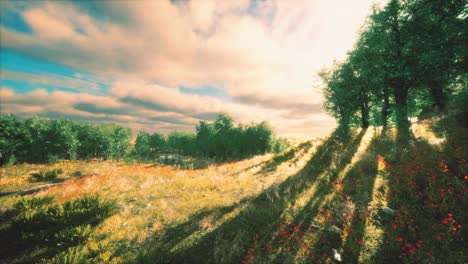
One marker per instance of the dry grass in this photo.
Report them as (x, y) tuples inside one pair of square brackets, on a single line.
[(151, 198)]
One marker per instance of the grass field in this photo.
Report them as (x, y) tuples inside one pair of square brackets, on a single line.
[(317, 202)]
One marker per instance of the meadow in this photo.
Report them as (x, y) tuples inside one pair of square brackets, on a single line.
[(350, 198)]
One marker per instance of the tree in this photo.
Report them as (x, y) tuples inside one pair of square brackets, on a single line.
[(340, 93), (120, 139), (437, 42), (142, 145), (157, 143)]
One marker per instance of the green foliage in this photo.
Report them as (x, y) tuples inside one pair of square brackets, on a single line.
[(11, 160), (279, 145), (43, 140), (72, 255), (77, 173), (223, 140), (33, 203), (39, 225), (407, 62), (182, 143), (44, 175), (59, 225)]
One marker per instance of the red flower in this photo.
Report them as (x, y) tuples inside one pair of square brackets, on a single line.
[(399, 239)]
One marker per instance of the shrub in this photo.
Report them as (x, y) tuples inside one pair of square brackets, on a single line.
[(11, 160), (72, 255), (33, 203), (47, 175), (52, 159), (77, 173), (57, 225)]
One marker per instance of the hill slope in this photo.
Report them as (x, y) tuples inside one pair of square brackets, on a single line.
[(317, 202)]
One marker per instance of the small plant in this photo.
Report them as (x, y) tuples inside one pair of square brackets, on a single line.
[(11, 160), (59, 226), (72, 255), (52, 159), (77, 173), (33, 203), (47, 175)]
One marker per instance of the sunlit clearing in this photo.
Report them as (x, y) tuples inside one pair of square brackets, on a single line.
[(421, 130), (365, 141)]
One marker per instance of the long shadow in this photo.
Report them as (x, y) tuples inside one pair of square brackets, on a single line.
[(415, 178), (229, 241), (36, 229), (278, 159), (304, 219), (162, 244), (359, 186), (32, 189)]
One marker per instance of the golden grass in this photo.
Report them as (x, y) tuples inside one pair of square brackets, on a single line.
[(151, 197)]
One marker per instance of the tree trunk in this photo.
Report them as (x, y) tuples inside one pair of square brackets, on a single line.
[(364, 112), (401, 103), (344, 121), (438, 95), (386, 106)]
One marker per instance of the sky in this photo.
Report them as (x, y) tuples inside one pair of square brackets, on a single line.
[(164, 65)]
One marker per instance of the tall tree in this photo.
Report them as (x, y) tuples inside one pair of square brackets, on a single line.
[(340, 93)]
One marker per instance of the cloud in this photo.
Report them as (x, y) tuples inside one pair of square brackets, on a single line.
[(39, 79), (264, 54)]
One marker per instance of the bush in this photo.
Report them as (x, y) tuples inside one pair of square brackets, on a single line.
[(33, 203), (47, 175), (77, 173), (57, 225), (72, 255), (52, 159), (11, 160)]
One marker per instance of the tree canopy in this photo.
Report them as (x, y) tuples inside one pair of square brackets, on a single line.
[(408, 60)]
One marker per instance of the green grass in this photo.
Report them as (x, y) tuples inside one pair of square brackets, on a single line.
[(282, 208)]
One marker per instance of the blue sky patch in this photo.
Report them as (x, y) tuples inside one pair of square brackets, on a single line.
[(206, 91)]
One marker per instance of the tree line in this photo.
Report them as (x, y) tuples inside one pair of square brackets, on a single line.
[(39, 140), (221, 139), (409, 60)]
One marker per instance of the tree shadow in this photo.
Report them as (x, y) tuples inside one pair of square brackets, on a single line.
[(418, 172), (39, 228), (229, 241), (32, 190), (291, 154)]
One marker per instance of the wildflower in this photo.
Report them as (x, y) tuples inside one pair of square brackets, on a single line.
[(399, 239)]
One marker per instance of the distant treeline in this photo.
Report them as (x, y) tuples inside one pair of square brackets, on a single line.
[(410, 60), (40, 140)]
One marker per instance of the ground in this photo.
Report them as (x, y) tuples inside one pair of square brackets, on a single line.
[(317, 199)]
